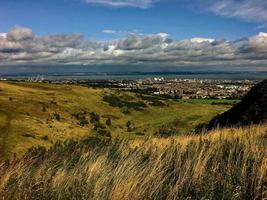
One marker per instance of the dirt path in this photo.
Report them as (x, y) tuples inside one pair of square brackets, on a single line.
[(4, 131)]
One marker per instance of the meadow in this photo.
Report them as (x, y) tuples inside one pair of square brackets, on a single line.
[(222, 164), (40, 114)]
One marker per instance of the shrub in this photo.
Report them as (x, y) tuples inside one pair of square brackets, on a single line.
[(130, 129), (83, 122), (124, 101), (57, 116), (45, 137), (108, 122), (113, 101), (81, 117), (94, 117), (129, 123), (99, 125)]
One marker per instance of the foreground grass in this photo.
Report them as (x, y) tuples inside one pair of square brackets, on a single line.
[(223, 164), (27, 115)]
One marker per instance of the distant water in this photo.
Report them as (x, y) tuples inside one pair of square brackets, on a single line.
[(143, 75)]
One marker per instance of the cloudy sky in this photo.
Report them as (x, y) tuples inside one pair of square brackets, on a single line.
[(208, 34)]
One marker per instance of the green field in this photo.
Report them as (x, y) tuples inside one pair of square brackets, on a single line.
[(34, 114)]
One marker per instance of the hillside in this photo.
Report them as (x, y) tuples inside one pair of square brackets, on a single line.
[(33, 114), (251, 110), (223, 164)]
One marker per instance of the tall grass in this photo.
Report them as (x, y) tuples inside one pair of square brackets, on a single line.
[(223, 164)]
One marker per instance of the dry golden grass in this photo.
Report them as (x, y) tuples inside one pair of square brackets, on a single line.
[(222, 164)]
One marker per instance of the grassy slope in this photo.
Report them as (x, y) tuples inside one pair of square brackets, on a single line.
[(223, 164), (23, 123)]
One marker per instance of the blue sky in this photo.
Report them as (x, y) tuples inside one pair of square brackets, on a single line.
[(179, 18), (165, 34)]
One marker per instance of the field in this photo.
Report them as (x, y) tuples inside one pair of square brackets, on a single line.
[(222, 164), (33, 114)]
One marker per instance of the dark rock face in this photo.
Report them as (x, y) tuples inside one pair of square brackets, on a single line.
[(251, 110)]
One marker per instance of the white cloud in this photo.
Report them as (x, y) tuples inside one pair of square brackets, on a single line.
[(127, 33), (163, 35), (22, 47), (108, 31), (123, 3), (259, 42), (200, 40), (252, 10), (19, 33), (3, 35)]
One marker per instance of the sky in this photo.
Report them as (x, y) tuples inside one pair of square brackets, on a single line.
[(124, 34)]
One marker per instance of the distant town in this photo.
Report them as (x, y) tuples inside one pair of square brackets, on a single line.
[(182, 88), (160, 86)]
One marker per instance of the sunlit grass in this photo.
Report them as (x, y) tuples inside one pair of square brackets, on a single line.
[(222, 164)]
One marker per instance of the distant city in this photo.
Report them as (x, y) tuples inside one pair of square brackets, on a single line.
[(177, 88)]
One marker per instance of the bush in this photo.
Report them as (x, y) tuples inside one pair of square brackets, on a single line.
[(83, 122), (124, 101), (113, 101), (81, 117), (129, 123), (130, 129), (94, 117), (57, 116), (108, 122), (45, 137), (99, 125)]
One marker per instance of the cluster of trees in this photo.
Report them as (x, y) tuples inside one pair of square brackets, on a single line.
[(81, 117), (153, 100), (99, 127), (119, 102)]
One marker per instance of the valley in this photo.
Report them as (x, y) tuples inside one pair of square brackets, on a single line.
[(40, 114)]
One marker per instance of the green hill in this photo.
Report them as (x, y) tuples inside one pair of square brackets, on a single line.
[(33, 114)]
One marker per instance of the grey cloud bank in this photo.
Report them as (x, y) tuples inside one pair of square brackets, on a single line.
[(20, 46)]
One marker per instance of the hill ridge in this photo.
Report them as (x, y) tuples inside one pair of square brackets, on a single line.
[(252, 109)]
